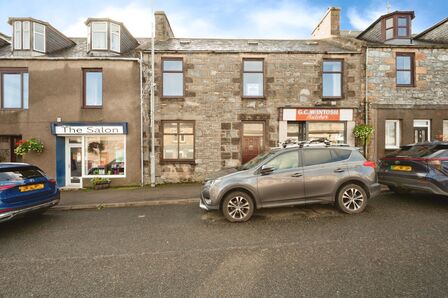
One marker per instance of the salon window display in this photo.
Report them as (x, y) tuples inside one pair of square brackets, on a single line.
[(105, 156)]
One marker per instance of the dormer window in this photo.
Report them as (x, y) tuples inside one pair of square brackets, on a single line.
[(22, 36), (99, 36), (39, 37), (397, 26), (114, 37)]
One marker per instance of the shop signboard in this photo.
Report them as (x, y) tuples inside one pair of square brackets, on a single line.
[(89, 129), (310, 114)]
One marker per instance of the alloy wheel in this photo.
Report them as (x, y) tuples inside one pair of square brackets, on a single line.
[(238, 207), (352, 199)]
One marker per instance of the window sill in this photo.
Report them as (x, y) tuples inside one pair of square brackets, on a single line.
[(333, 98), (172, 97), (92, 107), (13, 109), (253, 97), (391, 148), (405, 86), (175, 161)]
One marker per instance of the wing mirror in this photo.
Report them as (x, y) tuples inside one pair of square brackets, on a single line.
[(265, 170)]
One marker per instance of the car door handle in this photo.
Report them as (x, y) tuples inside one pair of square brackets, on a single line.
[(297, 175), (339, 170)]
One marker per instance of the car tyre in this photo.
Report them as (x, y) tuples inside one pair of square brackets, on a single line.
[(352, 199), (238, 206)]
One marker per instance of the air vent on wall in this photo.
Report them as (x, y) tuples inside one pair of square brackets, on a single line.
[(184, 42), (253, 43)]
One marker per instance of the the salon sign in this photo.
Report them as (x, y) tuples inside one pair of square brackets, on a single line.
[(89, 129)]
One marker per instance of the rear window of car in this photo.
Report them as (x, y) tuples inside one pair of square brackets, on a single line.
[(19, 174), (313, 157), (417, 151), (340, 154)]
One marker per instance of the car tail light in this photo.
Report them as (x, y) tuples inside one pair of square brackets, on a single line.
[(5, 187), (371, 164), (5, 210), (52, 181)]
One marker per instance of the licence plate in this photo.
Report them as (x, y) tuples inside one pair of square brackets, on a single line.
[(31, 187), (401, 168)]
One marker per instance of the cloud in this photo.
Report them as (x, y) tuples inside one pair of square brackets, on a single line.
[(136, 18), (360, 21)]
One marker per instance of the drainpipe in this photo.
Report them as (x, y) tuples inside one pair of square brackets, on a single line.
[(142, 182), (152, 157), (366, 101)]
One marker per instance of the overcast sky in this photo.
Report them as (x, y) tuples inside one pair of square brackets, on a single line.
[(218, 18)]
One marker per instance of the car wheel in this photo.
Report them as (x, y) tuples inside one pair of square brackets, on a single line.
[(238, 207), (352, 199)]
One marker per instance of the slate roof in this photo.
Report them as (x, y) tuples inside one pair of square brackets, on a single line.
[(246, 46), (79, 50)]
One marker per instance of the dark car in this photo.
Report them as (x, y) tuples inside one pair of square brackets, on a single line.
[(417, 167), (25, 189), (294, 176)]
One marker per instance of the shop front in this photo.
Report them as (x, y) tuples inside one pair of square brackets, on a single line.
[(89, 150), (302, 124)]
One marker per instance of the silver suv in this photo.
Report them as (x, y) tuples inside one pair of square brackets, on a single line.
[(293, 176)]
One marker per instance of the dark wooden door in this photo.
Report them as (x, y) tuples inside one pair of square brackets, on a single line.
[(251, 147), (420, 134)]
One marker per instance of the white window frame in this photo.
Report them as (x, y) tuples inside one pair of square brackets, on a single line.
[(41, 34), (118, 35), (17, 36), (445, 131), (92, 32), (428, 125), (84, 159), (397, 132), (26, 43)]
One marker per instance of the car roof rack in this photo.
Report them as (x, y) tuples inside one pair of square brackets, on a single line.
[(321, 142)]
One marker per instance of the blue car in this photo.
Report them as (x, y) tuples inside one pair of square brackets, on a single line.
[(25, 189)]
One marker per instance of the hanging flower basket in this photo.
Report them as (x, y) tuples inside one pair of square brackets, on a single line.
[(25, 146)]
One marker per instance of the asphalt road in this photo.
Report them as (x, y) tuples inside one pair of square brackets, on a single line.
[(397, 247)]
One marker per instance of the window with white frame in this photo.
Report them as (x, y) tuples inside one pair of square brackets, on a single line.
[(99, 36), (422, 130), (392, 133), (26, 35), (445, 130), (114, 37), (105, 155), (17, 35), (39, 37)]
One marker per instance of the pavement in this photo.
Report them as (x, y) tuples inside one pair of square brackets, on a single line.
[(397, 247), (167, 194)]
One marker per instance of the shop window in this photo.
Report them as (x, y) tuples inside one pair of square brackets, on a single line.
[(253, 78), (114, 37), (14, 88), (445, 130), (39, 37), (333, 131), (173, 77), (99, 36), (93, 88), (178, 140), (289, 160), (105, 155), (392, 132), (332, 79), (405, 69)]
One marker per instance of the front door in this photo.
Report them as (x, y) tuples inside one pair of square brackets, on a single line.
[(420, 134), (73, 160), (252, 140)]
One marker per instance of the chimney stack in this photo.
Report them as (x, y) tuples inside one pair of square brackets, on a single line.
[(163, 28), (329, 25)]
